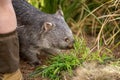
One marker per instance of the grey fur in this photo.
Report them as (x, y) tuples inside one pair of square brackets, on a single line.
[(37, 34)]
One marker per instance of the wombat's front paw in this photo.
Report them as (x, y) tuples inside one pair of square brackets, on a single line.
[(35, 63)]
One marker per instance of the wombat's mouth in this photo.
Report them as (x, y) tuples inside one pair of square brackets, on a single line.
[(52, 51), (56, 50), (67, 47)]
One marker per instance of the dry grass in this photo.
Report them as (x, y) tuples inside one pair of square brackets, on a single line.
[(95, 71)]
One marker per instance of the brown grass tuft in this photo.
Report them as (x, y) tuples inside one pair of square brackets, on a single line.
[(95, 71)]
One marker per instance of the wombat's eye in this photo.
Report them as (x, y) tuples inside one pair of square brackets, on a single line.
[(66, 39)]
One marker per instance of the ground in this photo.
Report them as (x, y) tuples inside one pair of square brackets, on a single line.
[(86, 72), (27, 69), (90, 70)]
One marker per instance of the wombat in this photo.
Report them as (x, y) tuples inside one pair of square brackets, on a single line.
[(41, 32)]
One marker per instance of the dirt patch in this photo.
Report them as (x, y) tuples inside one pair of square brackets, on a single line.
[(26, 69)]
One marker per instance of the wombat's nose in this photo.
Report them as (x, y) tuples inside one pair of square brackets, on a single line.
[(71, 45)]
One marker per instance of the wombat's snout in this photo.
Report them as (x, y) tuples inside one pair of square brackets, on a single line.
[(70, 43)]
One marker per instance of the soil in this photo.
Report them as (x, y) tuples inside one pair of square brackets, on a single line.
[(26, 68)]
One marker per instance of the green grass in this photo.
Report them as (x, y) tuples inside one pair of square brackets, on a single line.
[(61, 63), (57, 65)]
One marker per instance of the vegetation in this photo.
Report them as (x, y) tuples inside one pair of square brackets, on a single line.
[(97, 18), (61, 63)]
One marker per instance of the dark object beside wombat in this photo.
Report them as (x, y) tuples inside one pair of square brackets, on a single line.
[(41, 32)]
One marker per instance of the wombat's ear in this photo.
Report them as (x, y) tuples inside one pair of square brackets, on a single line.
[(47, 26), (59, 12)]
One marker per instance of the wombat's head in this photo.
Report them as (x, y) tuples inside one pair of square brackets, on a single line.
[(55, 35)]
